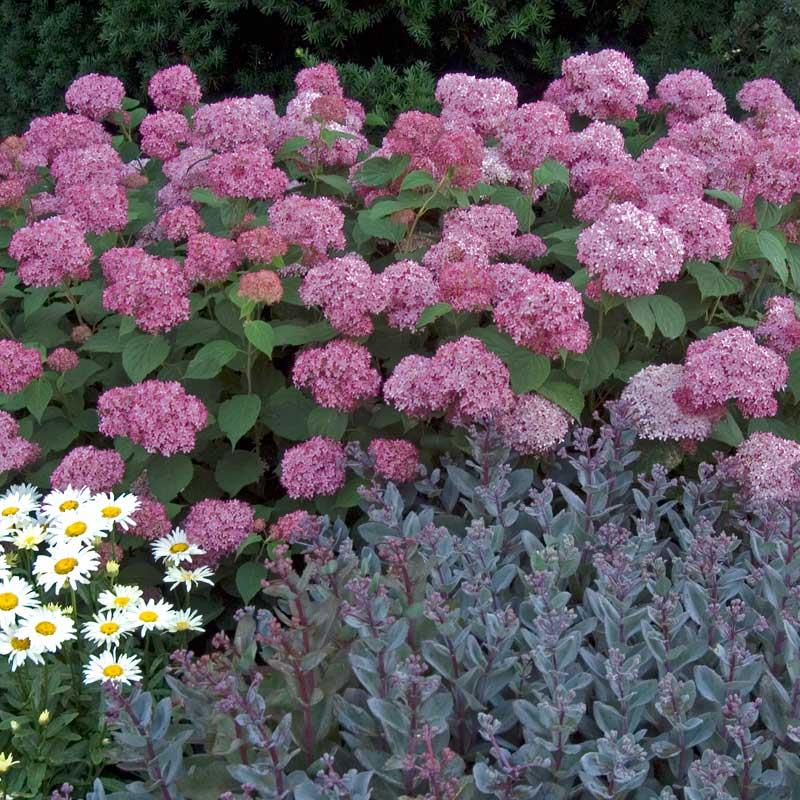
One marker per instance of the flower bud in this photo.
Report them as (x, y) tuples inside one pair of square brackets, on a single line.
[(44, 717), (14, 725), (112, 569)]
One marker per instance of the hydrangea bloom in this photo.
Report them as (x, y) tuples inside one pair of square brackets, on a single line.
[(534, 425), (666, 170), (179, 223), (495, 226), (598, 144), (408, 288), (322, 78), (763, 95), (608, 185), (340, 375), (95, 96), (19, 365), (347, 292), (689, 95), (96, 207), (703, 228), (96, 469), (219, 527), (482, 103), (263, 286), (296, 526), (780, 327), (46, 137), (158, 415), (395, 459), (261, 245), (467, 284), (414, 387), (237, 121), (163, 133), (246, 172), (629, 252), (776, 169), (15, 452), (542, 314), (62, 359), (173, 88), (315, 467), (731, 365), (651, 395), (316, 224), (99, 163), (210, 258), (151, 517), (532, 134), (765, 466), (50, 252)]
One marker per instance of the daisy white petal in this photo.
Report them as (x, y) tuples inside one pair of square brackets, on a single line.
[(154, 615), (186, 621), (175, 547), (19, 649), (106, 629), (116, 509), (177, 575), (59, 502), (120, 598), (47, 628), (108, 666), (65, 565), (17, 597)]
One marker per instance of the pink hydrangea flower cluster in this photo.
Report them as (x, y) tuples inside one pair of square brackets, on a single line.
[(246, 172), (763, 96), (315, 224), (703, 228), (219, 527), (151, 517), (261, 245), (395, 459), (173, 88), (163, 133), (91, 467), (294, 527), (210, 258), (340, 374), (689, 95), (780, 328), (629, 252), (232, 123), (19, 365), (534, 425), (152, 290), (766, 468), (46, 137), (532, 134), (315, 467), (51, 252), (776, 169), (263, 286), (731, 365), (62, 359), (483, 104), (160, 416), (407, 288), (96, 207), (95, 96), (179, 223), (15, 451), (98, 163)]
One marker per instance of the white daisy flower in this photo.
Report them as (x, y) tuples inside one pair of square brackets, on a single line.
[(15, 508), (154, 615), (109, 666), (78, 527), (29, 536), (120, 598), (17, 597), (116, 510), (19, 649), (47, 628), (106, 629), (175, 547), (5, 568), (24, 489), (65, 564), (59, 502), (188, 577), (186, 621)]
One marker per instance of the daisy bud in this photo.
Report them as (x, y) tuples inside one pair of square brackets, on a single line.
[(14, 725), (112, 569), (44, 717)]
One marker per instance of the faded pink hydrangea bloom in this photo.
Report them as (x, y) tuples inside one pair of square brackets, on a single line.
[(776, 169), (763, 96), (651, 394), (449, 250), (731, 365), (689, 95), (315, 224), (409, 288), (414, 387), (261, 245), (294, 527), (99, 163), (315, 467), (91, 467), (219, 527), (51, 252), (246, 172), (601, 85), (493, 225), (703, 228), (540, 313), (597, 145), (173, 88), (209, 258), (152, 290), (526, 247), (467, 285), (395, 459), (151, 520), (779, 329), (160, 416), (15, 452), (19, 365), (46, 137), (62, 359), (163, 133), (263, 286), (237, 121), (482, 103), (666, 170), (340, 374), (322, 78), (766, 468), (606, 186), (532, 134), (629, 252), (98, 208), (347, 291), (95, 96), (179, 223), (534, 425)]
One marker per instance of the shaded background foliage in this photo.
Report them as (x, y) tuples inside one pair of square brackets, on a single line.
[(388, 51)]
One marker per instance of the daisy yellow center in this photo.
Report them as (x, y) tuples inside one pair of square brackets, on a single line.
[(109, 512), (121, 602), (148, 616), (29, 539), (181, 625), (68, 505), (179, 547), (113, 671), (108, 628), (65, 565), (8, 601), (45, 628), (20, 644), (76, 529), (9, 511)]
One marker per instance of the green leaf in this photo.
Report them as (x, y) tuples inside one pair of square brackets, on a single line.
[(210, 359), (601, 359), (286, 413), (564, 394), (337, 182), (711, 281), (238, 415), (36, 395), (669, 316), (773, 249), (639, 308), (727, 431), (205, 196), (261, 335), (248, 579), (104, 341), (518, 202), (169, 476), (378, 171), (295, 334), (551, 171), (432, 313), (528, 370), (236, 470), (380, 227), (793, 360), (731, 199), (768, 215), (417, 178), (327, 422), (142, 354), (292, 145)]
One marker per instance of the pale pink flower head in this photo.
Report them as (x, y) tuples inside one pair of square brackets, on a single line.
[(237, 121), (779, 329), (340, 374), (763, 96), (263, 286), (51, 252), (315, 467), (601, 85), (464, 247), (209, 258), (534, 425), (96, 207), (347, 291), (95, 96), (608, 185), (666, 170), (322, 78), (689, 95), (776, 169), (532, 134), (46, 137), (179, 223), (246, 172), (409, 288), (766, 468), (628, 252), (731, 365), (261, 245), (482, 103), (467, 285), (395, 459), (90, 467), (526, 247), (218, 527), (62, 359), (173, 88), (315, 224), (703, 228), (597, 145), (19, 365), (493, 225), (651, 395), (15, 452), (160, 416), (99, 163), (163, 133), (294, 527), (414, 387), (151, 520)]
